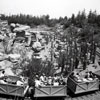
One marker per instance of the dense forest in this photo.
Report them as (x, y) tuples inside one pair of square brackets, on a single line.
[(79, 20)]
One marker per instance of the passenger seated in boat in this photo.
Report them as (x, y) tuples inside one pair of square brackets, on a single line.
[(56, 83), (77, 77), (95, 77), (61, 80), (85, 80), (55, 77), (2, 80), (89, 76), (2, 74), (43, 79), (50, 81), (19, 82), (37, 82)]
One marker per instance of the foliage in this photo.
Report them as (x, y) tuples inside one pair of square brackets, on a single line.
[(85, 28), (29, 20)]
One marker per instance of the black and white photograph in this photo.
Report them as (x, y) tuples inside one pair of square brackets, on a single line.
[(49, 49)]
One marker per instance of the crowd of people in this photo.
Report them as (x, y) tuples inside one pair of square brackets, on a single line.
[(5, 79), (43, 80), (87, 77)]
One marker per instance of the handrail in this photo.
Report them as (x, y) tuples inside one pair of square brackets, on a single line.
[(52, 86)]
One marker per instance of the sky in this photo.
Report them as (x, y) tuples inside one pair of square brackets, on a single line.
[(54, 8)]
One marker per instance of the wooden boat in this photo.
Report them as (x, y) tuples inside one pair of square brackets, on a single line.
[(82, 87), (12, 90), (50, 91)]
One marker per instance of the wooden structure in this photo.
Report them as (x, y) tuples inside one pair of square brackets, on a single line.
[(11, 90), (82, 87), (50, 91)]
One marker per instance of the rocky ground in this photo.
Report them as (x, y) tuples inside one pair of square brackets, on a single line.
[(14, 53)]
